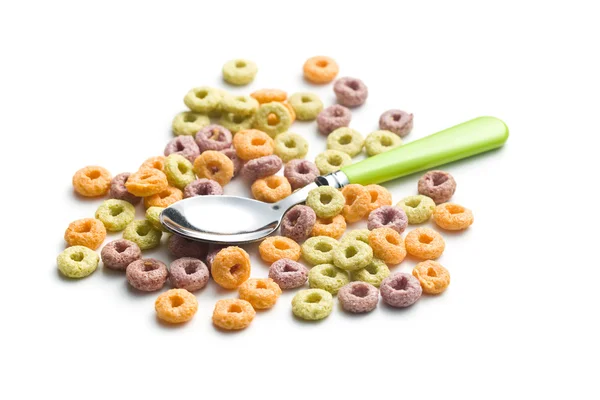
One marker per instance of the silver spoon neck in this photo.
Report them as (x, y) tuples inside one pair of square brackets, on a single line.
[(336, 179)]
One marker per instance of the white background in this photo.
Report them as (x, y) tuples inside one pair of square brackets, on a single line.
[(99, 84)]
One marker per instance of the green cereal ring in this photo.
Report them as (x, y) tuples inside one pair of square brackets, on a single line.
[(153, 216), (312, 304), (352, 255), (346, 140), (235, 123), (115, 214), (357, 234), (326, 201), (289, 146), (318, 249), (381, 141), (179, 171), (327, 277), (332, 160), (418, 208), (203, 99), (281, 123), (373, 273), (306, 105), (240, 105), (239, 72), (142, 233), (77, 261), (188, 123)]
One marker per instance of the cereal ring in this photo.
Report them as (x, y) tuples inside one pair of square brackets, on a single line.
[(147, 274), (164, 199), (142, 233), (346, 140), (332, 160), (418, 209), (188, 273), (319, 250), (146, 182), (233, 314), (184, 146), (119, 253), (400, 290), (236, 123), (288, 274), (213, 137), (261, 293), (252, 144), (202, 187), (214, 165), (153, 216), (380, 196), (397, 121), (320, 69), (350, 92), (326, 201), (273, 125), (275, 248), (88, 232), (181, 247), (327, 277), (452, 217), (240, 105), (156, 162), (332, 227), (92, 181), (332, 118), (387, 245), (203, 99), (176, 306), (119, 191), (358, 201), (290, 146), (388, 216), (437, 185), (269, 95), (300, 173), (231, 267), (290, 109), (239, 71), (312, 304), (374, 273), (271, 189), (188, 123), (77, 262), (298, 222), (307, 106), (179, 171), (381, 141), (424, 243), (115, 214), (358, 297), (237, 162), (352, 255), (432, 276), (358, 234), (261, 167)]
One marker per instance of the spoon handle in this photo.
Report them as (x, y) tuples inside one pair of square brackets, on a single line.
[(461, 141)]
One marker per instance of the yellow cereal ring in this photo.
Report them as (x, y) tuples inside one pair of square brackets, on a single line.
[(380, 196), (231, 267), (88, 232), (332, 227), (434, 278), (358, 201), (214, 165), (268, 95), (176, 306), (261, 293), (424, 243), (275, 248), (271, 189), (92, 181), (387, 245), (146, 182), (233, 314), (452, 217), (252, 143), (164, 199)]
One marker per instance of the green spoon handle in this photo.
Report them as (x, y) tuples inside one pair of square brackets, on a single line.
[(461, 141)]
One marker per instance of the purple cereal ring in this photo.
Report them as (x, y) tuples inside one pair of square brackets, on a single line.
[(118, 254), (298, 222), (397, 121), (210, 257), (185, 146), (300, 173), (119, 191), (213, 137), (400, 290), (147, 274), (437, 185), (261, 167), (333, 117), (182, 247), (288, 274), (388, 217), (350, 92), (358, 297), (202, 187), (237, 162), (188, 273)]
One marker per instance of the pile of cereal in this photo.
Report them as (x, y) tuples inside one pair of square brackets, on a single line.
[(222, 136)]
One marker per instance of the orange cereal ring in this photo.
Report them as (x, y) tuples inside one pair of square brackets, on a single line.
[(320, 69), (157, 162), (176, 306), (268, 95), (424, 243), (358, 201), (252, 143), (233, 314), (380, 196), (261, 293), (452, 217), (271, 189), (387, 245), (214, 165), (332, 227), (88, 232), (146, 182), (275, 248), (92, 181), (231, 267), (291, 111), (434, 278), (163, 199)]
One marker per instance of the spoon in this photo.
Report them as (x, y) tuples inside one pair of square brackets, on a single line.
[(234, 220)]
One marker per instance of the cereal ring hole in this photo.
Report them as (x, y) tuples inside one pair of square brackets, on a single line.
[(272, 119), (83, 228), (183, 168), (396, 117), (371, 269), (385, 141), (189, 118), (77, 256), (261, 285), (350, 199), (351, 251), (345, 139), (392, 239), (399, 284), (201, 94), (289, 268), (413, 203), (328, 272), (374, 195), (290, 143), (323, 247), (431, 272), (149, 266), (281, 245), (238, 119), (257, 141), (306, 99), (115, 209), (176, 301), (322, 63), (425, 238), (215, 134), (325, 198), (191, 269), (142, 230), (93, 174), (240, 64), (272, 184), (121, 247), (455, 209), (235, 270), (335, 160), (352, 85), (438, 179), (360, 290), (234, 308), (313, 298)]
